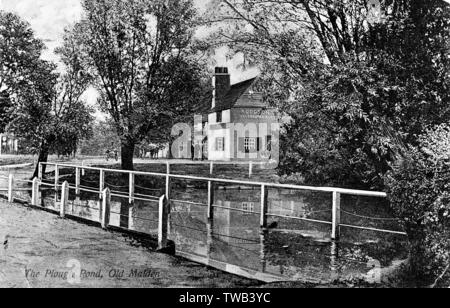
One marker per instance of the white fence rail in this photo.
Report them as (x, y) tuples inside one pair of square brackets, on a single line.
[(336, 193), (105, 193)]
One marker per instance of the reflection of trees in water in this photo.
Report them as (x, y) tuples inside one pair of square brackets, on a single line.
[(308, 255), (368, 212)]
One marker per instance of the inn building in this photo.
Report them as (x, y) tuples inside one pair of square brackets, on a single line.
[(240, 126)]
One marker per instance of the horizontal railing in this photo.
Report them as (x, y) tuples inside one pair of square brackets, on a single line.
[(11, 188), (212, 183), (104, 204), (342, 191)]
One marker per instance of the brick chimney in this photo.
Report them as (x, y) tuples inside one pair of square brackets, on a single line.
[(221, 84)]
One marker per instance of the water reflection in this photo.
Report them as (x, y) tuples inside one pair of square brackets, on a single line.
[(295, 250)]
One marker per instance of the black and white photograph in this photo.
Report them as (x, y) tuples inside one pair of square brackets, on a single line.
[(233, 148)]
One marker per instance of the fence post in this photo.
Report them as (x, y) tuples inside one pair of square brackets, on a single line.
[(106, 208), (10, 188), (101, 182), (264, 206), (131, 188), (335, 233), (210, 200), (83, 171), (168, 183), (163, 222), (250, 169), (40, 171), (209, 238), (56, 177), (35, 192), (211, 168), (168, 167), (77, 181), (64, 199)]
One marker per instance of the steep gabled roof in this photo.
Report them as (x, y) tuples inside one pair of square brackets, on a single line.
[(234, 94)]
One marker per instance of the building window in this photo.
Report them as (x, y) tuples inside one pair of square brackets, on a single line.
[(220, 144), (248, 207), (219, 117), (250, 145)]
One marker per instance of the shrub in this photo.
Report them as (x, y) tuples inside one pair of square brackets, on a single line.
[(419, 192)]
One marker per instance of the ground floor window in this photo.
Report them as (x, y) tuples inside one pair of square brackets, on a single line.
[(250, 144), (248, 206), (220, 144)]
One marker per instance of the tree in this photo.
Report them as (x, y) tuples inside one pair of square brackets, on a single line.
[(353, 72), (135, 50), (104, 137), (5, 109), (19, 57), (52, 115), (46, 108)]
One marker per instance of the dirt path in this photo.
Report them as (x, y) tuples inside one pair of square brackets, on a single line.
[(40, 250)]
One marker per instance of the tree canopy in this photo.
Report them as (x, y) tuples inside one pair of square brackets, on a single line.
[(360, 79), (20, 55), (141, 57), (44, 108)]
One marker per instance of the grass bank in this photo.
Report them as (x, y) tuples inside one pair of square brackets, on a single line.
[(15, 160)]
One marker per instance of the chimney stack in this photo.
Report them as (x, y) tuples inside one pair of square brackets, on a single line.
[(221, 84)]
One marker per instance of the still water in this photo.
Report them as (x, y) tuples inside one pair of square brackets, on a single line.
[(291, 249)]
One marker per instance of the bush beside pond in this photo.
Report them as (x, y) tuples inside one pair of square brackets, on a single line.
[(419, 192)]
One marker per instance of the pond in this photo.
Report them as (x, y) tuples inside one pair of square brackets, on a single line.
[(290, 250)]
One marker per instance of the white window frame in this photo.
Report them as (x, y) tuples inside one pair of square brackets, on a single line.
[(220, 144), (250, 144), (248, 206)]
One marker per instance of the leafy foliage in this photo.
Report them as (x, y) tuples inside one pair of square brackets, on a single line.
[(419, 193), (103, 138), (358, 84), (46, 108), (139, 53), (19, 58)]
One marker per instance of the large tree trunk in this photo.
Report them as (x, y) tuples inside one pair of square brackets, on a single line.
[(127, 154), (43, 158)]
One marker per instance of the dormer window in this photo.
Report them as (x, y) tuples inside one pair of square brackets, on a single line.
[(219, 117)]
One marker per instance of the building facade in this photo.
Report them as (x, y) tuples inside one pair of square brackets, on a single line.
[(240, 125)]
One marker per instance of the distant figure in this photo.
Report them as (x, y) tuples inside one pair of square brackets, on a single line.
[(108, 153)]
